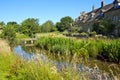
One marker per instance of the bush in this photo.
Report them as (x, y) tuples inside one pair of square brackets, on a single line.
[(92, 34), (83, 34)]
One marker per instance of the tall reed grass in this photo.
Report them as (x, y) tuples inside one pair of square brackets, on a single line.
[(103, 48)]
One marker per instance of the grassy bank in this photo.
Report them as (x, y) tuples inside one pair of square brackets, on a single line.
[(14, 68), (5, 59), (105, 49)]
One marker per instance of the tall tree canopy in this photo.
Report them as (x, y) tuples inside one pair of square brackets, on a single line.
[(64, 23), (14, 25), (48, 26), (30, 26)]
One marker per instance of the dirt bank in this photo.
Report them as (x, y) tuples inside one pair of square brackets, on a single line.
[(4, 47)]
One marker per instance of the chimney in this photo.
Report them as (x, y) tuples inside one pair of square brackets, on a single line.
[(93, 8), (102, 4)]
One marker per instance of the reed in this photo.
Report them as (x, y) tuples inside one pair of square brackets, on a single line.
[(106, 48)]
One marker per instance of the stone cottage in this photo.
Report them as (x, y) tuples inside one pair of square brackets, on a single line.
[(110, 11)]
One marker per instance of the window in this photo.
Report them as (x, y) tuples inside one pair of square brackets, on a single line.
[(101, 14), (91, 16), (115, 18)]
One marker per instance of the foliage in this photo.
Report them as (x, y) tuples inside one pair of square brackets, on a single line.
[(48, 26), (84, 34), (15, 25), (2, 24), (9, 33), (19, 37), (105, 27), (64, 23), (111, 51), (92, 34), (29, 27)]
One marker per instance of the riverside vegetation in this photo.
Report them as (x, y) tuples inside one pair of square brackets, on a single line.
[(15, 68), (104, 49)]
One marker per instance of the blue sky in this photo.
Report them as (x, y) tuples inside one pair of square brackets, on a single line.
[(19, 10)]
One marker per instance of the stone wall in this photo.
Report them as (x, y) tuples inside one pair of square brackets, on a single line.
[(86, 27)]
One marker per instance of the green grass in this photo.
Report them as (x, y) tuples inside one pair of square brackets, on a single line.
[(21, 36), (4, 66), (14, 68), (52, 34)]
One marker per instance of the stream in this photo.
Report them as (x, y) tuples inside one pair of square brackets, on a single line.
[(31, 53)]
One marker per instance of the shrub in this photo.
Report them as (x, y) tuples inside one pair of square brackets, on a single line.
[(92, 34), (83, 34)]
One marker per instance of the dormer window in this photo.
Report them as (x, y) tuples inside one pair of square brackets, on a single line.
[(101, 14), (92, 15), (116, 5)]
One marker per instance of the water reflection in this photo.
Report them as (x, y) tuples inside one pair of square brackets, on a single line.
[(18, 50)]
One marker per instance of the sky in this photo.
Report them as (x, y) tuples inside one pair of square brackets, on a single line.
[(19, 10)]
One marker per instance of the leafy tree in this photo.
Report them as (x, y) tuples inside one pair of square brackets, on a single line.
[(48, 26), (29, 27), (14, 25), (9, 33), (2, 24), (104, 27), (64, 23), (11, 23)]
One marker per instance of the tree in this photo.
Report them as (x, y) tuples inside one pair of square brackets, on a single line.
[(14, 25), (9, 33), (2, 24), (29, 27), (48, 26), (64, 23), (104, 27)]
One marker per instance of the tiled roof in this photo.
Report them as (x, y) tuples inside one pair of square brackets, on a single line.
[(112, 9), (95, 14), (102, 10)]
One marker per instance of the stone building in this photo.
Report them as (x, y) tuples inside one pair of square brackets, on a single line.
[(110, 11)]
